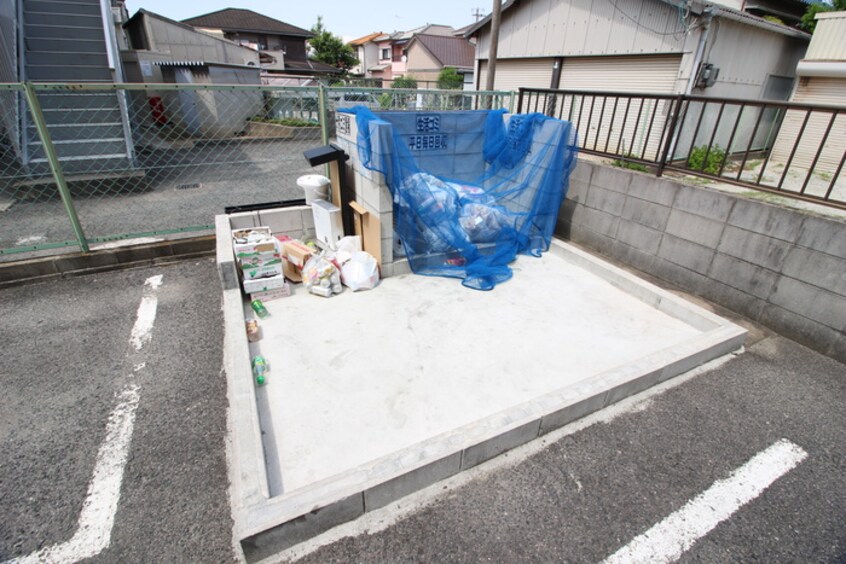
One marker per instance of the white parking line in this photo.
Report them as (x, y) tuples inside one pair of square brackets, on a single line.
[(145, 318), (93, 533), (669, 539), (94, 528)]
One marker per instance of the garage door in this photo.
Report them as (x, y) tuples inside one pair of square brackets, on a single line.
[(621, 74), (603, 124), (512, 74)]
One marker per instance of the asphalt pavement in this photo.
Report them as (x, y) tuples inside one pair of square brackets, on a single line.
[(577, 495), (584, 495), (66, 353)]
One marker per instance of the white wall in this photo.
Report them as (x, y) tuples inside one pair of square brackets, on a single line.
[(747, 56), (547, 28)]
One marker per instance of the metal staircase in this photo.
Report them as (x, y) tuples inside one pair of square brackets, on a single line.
[(67, 41)]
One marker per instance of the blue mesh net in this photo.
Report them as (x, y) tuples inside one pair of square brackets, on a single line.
[(471, 189)]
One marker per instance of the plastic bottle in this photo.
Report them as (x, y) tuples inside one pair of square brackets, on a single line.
[(259, 308), (260, 369)]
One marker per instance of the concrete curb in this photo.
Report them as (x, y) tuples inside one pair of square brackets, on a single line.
[(78, 264), (265, 524)]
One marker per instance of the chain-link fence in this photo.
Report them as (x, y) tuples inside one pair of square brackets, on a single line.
[(33, 219), (83, 165)]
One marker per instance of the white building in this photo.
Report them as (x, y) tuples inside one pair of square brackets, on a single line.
[(639, 46), (822, 80)]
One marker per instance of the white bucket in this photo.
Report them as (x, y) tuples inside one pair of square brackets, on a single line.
[(316, 187)]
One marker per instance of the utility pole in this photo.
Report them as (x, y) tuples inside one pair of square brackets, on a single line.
[(477, 14), (494, 43)]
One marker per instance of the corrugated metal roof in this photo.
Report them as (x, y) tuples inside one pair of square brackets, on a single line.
[(194, 64), (449, 51), (755, 21), (309, 66), (728, 13), (238, 19)]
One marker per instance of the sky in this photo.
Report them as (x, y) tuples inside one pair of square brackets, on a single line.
[(346, 18)]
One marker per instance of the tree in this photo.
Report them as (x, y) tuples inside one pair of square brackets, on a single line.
[(809, 22), (449, 79), (331, 49)]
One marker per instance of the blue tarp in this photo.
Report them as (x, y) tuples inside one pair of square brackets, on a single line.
[(471, 190)]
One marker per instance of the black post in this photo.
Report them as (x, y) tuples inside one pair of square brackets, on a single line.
[(671, 136)]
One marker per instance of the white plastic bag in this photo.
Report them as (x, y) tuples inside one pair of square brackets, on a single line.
[(346, 247), (361, 272), (321, 277)]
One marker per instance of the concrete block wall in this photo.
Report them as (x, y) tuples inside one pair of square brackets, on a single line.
[(782, 267), (371, 191)]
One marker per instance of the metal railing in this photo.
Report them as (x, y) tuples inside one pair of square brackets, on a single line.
[(86, 164), (795, 150)]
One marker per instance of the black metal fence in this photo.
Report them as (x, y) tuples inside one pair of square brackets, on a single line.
[(796, 150)]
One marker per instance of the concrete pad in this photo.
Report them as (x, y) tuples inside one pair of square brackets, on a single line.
[(372, 395)]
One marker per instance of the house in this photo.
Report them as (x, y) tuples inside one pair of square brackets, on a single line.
[(56, 42), (822, 80), (390, 57), (647, 46), (426, 55), (282, 45), (401, 39), (366, 52), (153, 38), (384, 59), (640, 46)]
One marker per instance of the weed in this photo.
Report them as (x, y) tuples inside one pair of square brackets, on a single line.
[(629, 165), (697, 159)]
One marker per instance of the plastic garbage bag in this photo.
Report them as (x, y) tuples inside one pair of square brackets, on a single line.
[(321, 276), (346, 247), (361, 272), (482, 223)]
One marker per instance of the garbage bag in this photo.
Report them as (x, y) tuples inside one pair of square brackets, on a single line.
[(361, 272), (321, 276)]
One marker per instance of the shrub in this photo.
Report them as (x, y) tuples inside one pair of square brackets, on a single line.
[(405, 82), (291, 122), (449, 79), (715, 158)]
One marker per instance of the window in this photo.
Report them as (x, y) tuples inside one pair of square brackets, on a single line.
[(386, 53)]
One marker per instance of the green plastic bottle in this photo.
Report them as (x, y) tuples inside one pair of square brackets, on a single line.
[(260, 369), (259, 308)]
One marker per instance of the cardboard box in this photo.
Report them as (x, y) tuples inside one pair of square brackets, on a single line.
[(267, 244), (265, 284), (262, 271), (291, 272), (297, 252), (275, 294)]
